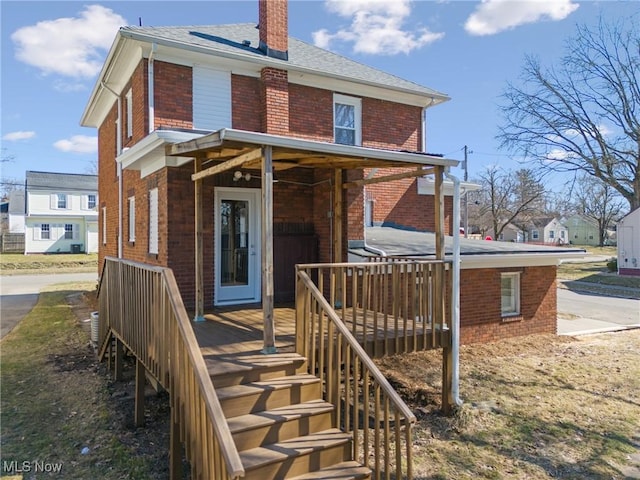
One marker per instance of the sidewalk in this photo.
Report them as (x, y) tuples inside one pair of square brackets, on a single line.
[(586, 326)]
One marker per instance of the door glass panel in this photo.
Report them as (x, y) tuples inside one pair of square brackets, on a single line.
[(234, 226)]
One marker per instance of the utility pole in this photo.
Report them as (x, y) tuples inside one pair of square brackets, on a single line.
[(466, 200)]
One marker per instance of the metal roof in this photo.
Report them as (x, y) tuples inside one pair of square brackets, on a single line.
[(231, 41), (61, 181)]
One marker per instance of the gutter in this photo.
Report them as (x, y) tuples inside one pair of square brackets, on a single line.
[(455, 294)]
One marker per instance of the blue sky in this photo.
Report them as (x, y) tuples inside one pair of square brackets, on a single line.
[(52, 52)]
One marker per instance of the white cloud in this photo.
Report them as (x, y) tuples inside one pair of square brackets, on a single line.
[(78, 144), (15, 136), (494, 16), (376, 27), (72, 47)]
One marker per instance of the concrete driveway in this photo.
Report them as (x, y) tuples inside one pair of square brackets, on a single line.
[(19, 294)]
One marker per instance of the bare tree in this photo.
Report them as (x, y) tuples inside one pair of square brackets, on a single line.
[(598, 202), (584, 115), (508, 197)]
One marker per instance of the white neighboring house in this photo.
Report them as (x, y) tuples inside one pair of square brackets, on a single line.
[(61, 213), (548, 230), (628, 233)]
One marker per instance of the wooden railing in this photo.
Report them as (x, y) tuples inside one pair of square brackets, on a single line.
[(390, 305), (141, 306), (366, 404)]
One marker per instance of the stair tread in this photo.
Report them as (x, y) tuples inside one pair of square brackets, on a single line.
[(220, 365), (340, 471), (243, 389), (295, 447), (277, 415)]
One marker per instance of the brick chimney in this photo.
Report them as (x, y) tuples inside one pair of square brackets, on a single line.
[(272, 22), (275, 81)]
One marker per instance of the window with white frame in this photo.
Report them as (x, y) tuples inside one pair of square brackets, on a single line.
[(60, 201), (104, 225), (535, 235), (347, 120), (45, 231), (132, 219), (510, 293), (129, 105), (91, 201), (71, 231), (153, 221), (552, 234)]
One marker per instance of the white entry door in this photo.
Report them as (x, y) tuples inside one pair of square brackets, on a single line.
[(237, 246)]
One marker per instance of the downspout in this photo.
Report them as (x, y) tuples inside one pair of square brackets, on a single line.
[(455, 296), (150, 85), (119, 151)]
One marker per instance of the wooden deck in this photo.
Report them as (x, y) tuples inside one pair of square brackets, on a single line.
[(231, 331)]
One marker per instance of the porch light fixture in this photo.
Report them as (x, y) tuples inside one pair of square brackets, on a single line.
[(237, 175)]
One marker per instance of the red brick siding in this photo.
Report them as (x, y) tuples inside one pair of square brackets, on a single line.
[(138, 85), (173, 95), (245, 96), (107, 186), (398, 204), (275, 101), (390, 125), (480, 317), (311, 113)]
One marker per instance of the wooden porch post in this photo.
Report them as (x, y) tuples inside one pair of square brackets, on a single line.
[(337, 215), (447, 350), (267, 251), (199, 256)]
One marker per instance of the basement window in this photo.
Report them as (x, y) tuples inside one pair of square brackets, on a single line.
[(510, 293)]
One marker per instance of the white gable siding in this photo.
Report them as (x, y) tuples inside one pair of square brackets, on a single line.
[(211, 98)]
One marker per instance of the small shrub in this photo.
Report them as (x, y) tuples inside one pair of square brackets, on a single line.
[(612, 265)]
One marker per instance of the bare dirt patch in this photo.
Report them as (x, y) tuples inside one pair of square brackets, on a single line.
[(535, 407)]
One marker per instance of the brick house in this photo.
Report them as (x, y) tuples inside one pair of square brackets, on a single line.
[(231, 155), (164, 86)]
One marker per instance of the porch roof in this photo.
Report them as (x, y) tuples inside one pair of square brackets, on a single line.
[(289, 152)]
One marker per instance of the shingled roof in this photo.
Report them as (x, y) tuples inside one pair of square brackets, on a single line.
[(240, 41), (61, 181)]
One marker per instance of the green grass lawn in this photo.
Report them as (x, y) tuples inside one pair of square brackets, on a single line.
[(55, 401)]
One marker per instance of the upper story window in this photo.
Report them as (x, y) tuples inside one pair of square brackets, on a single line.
[(129, 105), (347, 120), (61, 201), (91, 201)]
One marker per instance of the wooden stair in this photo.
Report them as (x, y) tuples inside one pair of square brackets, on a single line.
[(282, 427)]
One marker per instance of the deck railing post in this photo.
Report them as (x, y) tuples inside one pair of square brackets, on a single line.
[(175, 450), (139, 395)]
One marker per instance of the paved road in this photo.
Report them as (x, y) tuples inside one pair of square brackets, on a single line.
[(595, 312), (19, 294)]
